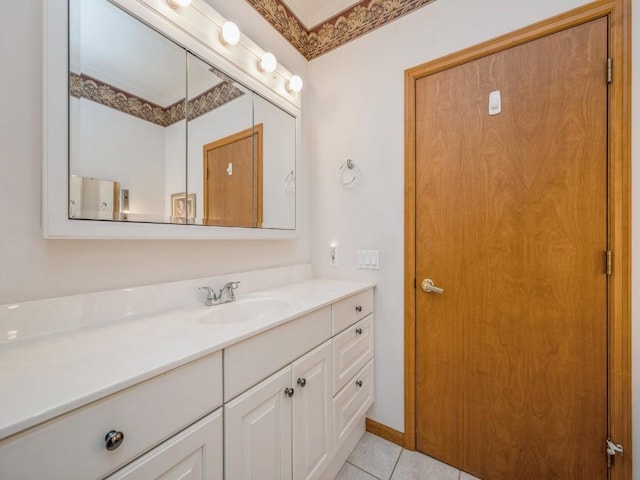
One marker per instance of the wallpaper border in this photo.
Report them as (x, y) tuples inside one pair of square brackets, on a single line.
[(84, 86), (334, 32)]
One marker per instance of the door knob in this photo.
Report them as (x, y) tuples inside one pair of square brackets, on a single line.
[(430, 287)]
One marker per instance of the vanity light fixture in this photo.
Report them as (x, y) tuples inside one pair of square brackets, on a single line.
[(178, 3), (230, 34), (267, 62), (295, 84)]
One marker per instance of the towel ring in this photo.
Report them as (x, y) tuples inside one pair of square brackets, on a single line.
[(348, 173), (290, 182)]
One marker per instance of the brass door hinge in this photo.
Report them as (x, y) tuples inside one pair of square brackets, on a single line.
[(609, 70), (609, 262)]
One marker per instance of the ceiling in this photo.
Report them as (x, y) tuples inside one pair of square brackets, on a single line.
[(314, 12)]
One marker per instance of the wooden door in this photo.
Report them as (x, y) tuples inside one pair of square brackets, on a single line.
[(233, 180), (511, 220), (312, 413)]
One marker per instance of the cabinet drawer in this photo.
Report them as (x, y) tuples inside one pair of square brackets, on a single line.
[(352, 403), (350, 310), (73, 445), (195, 453), (254, 359), (352, 349)]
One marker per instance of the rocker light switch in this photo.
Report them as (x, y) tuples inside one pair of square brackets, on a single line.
[(368, 259)]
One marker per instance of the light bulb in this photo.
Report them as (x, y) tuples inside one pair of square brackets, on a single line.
[(295, 84), (178, 3), (267, 63), (230, 33)]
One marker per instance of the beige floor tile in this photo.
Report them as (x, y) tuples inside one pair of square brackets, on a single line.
[(416, 466), (349, 472), (375, 455)]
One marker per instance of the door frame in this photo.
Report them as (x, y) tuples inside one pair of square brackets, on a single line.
[(619, 208)]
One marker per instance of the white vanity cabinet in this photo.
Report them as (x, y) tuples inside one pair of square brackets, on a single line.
[(312, 413), (291, 425), (283, 426), (194, 454), (98, 439), (284, 401)]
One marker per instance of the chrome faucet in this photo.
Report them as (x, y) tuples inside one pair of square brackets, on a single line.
[(228, 289), (225, 295)]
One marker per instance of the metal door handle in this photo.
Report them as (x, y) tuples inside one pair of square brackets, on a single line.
[(430, 287)]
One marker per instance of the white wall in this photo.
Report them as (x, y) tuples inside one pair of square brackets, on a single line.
[(355, 109), (33, 268), (112, 145)]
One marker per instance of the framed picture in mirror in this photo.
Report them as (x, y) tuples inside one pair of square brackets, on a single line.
[(183, 208)]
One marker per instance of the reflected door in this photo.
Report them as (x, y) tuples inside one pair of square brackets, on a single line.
[(233, 180)]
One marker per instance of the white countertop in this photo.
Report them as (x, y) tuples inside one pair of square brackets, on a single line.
[(45, 377)]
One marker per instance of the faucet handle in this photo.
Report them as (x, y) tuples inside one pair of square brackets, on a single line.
[(211, 295), (229, 287)]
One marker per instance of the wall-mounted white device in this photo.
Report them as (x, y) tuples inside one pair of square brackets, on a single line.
[(495, 103)]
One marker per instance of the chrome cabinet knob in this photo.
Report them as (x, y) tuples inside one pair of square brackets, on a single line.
[(430, 287), (113, 440), (359, 383), (302, 382), (359, 331), (289, 392)]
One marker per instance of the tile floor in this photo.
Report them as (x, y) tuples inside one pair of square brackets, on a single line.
[(377, 459)]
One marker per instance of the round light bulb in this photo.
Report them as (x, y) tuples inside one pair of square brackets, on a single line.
[(295, 84), (230, 33), (178, 3), (267, 63)]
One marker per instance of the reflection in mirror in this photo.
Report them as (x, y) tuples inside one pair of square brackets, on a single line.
[(279, 159), (241, 162), (135, 97), (93, 198), (126, 110), (220, 162)]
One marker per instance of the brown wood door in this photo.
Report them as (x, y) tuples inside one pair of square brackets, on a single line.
[(233, 180), (511, 220)]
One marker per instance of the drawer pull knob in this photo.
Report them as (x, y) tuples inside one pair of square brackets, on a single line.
[(302, 382), (113, 440), (358, 308), (359, 331), (359, 383), (289, 392)]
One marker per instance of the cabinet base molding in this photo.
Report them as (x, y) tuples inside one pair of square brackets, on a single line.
[(382, 431), (340, 457)]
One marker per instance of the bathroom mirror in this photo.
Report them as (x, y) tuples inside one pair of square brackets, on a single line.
[(179, 140)]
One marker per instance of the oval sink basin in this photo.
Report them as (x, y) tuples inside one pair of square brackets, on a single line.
[(244, 309)]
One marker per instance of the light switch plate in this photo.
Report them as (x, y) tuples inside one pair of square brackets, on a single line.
[(368, 259), (333, 256)]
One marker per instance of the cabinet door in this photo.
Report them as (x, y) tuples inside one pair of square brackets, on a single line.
[(312, 413), (258, 431), (194, 454)]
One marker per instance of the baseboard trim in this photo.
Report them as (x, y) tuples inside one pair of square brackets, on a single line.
[(385, 432)]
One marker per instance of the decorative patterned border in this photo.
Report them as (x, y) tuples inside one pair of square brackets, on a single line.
[(84, 86), (354, 22)]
